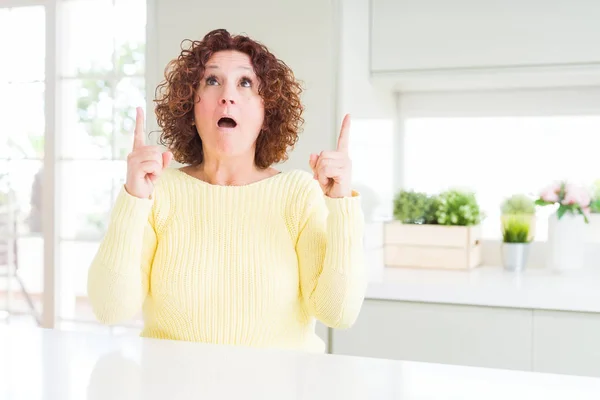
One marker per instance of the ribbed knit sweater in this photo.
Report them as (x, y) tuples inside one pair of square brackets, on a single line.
[(253, 265)]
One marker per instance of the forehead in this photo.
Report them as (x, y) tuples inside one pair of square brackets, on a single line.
[(230, 60)]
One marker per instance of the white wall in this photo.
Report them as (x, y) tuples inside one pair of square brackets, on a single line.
[(358, 96), (369, 106), (303, 34)]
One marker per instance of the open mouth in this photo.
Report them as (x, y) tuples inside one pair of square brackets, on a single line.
[(226, 122)]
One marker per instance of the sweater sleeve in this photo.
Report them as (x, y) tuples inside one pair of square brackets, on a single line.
[(331, 259), (118, 278)]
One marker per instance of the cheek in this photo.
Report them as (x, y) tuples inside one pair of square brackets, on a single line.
[(256, 112), (202, 107)]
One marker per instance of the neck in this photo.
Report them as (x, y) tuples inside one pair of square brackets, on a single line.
[(230, 172)]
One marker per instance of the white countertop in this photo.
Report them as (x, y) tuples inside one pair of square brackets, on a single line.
[(492, 286), (53, 365)]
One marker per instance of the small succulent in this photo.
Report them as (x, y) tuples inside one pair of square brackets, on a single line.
[(515, 229), (411, 207), (518, 204), (457, 207)]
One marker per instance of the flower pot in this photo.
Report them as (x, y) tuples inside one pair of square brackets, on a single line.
[(514, 256), (432, 246), (566, 242), (593, 228)]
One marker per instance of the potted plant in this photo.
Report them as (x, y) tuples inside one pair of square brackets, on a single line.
[(595, 200), (522, 206), (457, 208), (567, 225), (593, 234), (411, 207), (434, 231), (515, 241)]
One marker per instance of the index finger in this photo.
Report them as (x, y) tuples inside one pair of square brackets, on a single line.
[(138, 135), (344, 139)]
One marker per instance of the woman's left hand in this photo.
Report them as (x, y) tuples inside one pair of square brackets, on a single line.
[(333, 169)]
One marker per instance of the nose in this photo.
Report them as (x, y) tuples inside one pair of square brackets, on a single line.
[(228, 94)]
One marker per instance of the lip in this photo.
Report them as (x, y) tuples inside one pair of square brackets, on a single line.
[(226, 128)]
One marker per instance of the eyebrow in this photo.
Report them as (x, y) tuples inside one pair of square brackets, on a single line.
[(213, 66)]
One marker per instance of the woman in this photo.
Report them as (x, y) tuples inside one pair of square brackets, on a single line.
[(227, 249)]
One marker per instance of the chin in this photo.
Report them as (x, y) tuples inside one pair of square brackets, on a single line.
[(228, 150)]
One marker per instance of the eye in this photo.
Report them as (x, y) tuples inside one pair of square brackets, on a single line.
[(211, 81), (246, 82)]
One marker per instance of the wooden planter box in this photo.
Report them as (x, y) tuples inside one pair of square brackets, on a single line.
[(432, 246)]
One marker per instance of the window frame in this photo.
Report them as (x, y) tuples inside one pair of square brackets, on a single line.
[(544, 101), (51, 196)]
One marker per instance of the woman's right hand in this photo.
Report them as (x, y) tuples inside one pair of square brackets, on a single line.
[(145, 163)]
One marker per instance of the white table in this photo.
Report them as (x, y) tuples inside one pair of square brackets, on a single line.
[(41, 364)]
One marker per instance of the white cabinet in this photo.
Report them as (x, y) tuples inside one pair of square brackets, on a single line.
[(417, 35), (566, 342), (440, 333), (522, 339)]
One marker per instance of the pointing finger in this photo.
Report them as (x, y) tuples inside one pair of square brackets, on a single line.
[(167, 156), (138, 135), (344, 139)]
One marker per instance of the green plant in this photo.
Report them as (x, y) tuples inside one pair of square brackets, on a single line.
[(515, 229), (430, 217), (412, 207), (595, 204), (518, 204), (457, 207)]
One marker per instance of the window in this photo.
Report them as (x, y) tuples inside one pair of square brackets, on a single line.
[(371, 150), (100, 62), (101, 82), (500, 156), (22, 85)]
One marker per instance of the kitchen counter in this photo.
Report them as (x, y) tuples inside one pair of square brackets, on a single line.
[(492, 286), (48, 364)]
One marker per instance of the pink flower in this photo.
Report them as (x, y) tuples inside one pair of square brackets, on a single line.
[(576, 195), (587, 211), (550, 194)]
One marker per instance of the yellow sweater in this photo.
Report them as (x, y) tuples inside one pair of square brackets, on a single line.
[(250, 265)]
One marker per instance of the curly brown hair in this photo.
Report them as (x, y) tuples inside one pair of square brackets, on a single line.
[(278, 88)]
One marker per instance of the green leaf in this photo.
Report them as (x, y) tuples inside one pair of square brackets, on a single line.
[(515, 228), (458, 207), (518, 204), (412, 207), (595, 206), (561, 211), (585, 218)]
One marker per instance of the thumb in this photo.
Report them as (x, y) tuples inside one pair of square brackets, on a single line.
[(313, 161), (167, 156)]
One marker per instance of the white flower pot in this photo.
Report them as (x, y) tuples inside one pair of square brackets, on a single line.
[(514, 256), (566, 242), (593, 228)]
